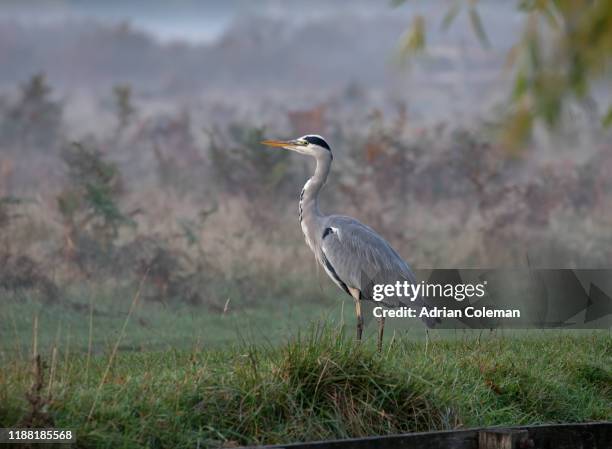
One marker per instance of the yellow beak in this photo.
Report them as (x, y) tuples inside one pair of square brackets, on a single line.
[(276, 143)]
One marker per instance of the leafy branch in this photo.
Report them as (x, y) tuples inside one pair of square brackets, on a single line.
[(564, 49)]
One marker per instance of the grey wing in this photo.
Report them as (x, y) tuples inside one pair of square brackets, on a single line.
[(354, 255)]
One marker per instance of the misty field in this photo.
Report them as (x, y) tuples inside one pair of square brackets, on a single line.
[(158, 270), (200, 214), (155, 287)]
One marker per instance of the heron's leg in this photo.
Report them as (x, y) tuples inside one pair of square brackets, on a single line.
[(359, 319), (356, 294), (381, 330)]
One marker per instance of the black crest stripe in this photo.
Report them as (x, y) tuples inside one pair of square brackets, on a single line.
[(317, 141)]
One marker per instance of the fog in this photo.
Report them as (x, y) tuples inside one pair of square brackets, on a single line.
[(243, 51)]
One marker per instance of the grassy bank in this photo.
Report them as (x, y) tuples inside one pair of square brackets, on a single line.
[(320, 385)]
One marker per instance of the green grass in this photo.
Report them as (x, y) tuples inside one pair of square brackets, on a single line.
[(319, 385), (155, 325), (194, 377)]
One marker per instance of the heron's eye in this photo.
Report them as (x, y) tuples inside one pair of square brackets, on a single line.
[(303, 142)]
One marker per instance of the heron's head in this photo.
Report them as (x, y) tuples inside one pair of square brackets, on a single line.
[(310, 144)]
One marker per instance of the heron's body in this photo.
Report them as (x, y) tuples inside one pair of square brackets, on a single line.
[(352, 254)]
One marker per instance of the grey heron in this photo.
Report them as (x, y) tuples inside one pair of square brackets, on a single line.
[(352, 254)]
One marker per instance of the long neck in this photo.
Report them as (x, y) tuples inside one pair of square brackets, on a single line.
[(310, 215)]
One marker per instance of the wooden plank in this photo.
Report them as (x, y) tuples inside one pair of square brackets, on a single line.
[(572, 436), (452, 439), (556, 436), (503, 439)]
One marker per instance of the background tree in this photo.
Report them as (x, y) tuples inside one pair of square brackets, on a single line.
[(564, 51), (89, 205), (34, 120), (124, 106)]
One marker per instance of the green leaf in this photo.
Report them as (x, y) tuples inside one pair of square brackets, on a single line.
[(549, 12), (520, 85), (516, 129), (450, 15), (478, 28), (533, 50), (607, 120), (414, 40)]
